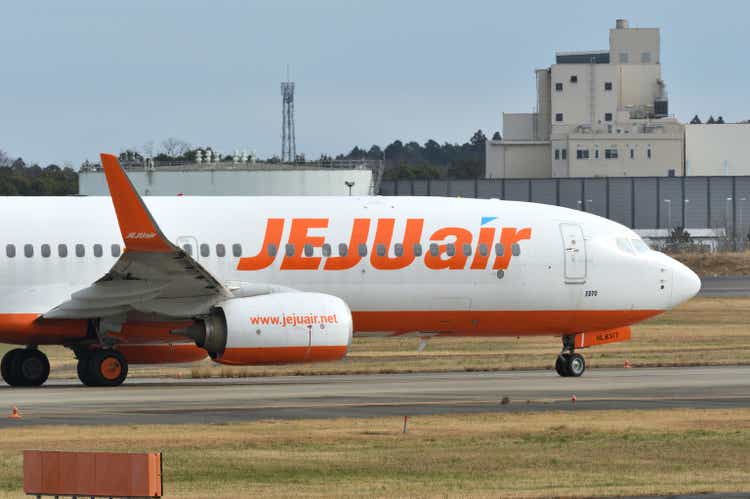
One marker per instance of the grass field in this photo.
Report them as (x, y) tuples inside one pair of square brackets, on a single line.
[(560, 454), (704, 331)]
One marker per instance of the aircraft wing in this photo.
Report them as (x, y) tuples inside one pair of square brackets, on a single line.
[(152, 275)]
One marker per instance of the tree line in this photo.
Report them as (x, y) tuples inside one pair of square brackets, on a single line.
[(402, 160), (19, 179)]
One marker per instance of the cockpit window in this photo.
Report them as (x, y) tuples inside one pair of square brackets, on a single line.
[(640, 246), (624, 245)]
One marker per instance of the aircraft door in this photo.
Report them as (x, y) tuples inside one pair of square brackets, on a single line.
[(190, 245), (574, 248)]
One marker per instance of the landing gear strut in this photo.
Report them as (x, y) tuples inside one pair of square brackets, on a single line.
[(569, 363), (102, 367), (24, 367)]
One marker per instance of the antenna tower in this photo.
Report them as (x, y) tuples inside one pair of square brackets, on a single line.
[(288, 145)]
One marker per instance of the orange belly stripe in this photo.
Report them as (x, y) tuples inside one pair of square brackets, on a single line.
[(280, 355)]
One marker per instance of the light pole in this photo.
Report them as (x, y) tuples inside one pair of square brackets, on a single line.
[(684, 214), (739, 215), (728, 212), (349, 184), (669, 213)]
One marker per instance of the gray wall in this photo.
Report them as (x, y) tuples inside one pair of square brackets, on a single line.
[(638, 202)]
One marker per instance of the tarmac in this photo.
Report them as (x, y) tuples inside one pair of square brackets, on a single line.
[(733, 286), (212, 401)]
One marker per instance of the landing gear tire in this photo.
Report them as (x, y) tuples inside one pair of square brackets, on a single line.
[(575, 365), (24, 367), (102, 368), (561, 365)]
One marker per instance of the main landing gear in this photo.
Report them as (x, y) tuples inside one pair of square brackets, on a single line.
[(24, 367), (569, 363), (104, 367)]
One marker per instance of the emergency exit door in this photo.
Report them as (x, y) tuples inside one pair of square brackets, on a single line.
[(574, 248)]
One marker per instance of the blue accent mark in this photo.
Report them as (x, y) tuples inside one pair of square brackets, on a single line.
[(488, 219)]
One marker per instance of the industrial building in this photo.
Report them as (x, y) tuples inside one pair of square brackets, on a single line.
[(599, 113), (717, 149), (334, 178)]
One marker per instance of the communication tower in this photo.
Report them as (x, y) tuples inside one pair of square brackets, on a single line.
[(288, 146)]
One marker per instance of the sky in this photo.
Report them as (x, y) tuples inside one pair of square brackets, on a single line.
[(81, 77)]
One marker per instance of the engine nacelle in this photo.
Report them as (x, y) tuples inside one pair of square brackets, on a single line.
[(277, 328)]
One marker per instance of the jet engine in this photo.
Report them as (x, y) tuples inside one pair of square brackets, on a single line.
[(276, 328)]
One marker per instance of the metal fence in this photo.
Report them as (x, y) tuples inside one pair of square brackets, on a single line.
[(638, 202)]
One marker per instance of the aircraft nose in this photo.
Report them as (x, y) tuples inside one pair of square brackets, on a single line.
[(685, 283)]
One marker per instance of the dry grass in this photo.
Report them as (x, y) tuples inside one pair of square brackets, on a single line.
[(704, 331), (561, 454), (717, 264)]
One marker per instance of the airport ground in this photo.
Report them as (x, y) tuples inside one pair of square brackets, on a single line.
[(632, 432)]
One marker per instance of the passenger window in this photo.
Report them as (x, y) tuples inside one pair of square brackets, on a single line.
[(289, 250), (46, 251), (417, 249), (326, 249), (28, 250), (205, 251), (483, 249), (499, 249), (114, 249), (343, 249), (98, 251), (467, 249), (80, 250), (308, 250), (362, 248), (450, 249), (515, 249), (188, 249), (398, 249), (434, 249), (10, 250), (272, 249), (237, 250), (380, 249), (221, 251), (62, 250)]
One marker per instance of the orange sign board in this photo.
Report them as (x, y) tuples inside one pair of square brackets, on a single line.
[(92, 474), (592, 338)]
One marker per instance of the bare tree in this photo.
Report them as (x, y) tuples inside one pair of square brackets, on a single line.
[(174, 148), (4, 159)]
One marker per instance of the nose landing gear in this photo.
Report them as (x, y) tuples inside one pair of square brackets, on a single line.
[(569, 364)]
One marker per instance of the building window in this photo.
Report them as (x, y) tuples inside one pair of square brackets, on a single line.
[(564, 153), (607, 116), (596, 154), (610, 153), (648, 152), (557, 153), (624, 58), (574, 79), (632, 153), (558, 87), (607, 86), (670, 173), (558, 116), (646, 57), (582, 154)]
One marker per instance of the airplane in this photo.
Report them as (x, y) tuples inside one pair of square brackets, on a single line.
[(270, 280)]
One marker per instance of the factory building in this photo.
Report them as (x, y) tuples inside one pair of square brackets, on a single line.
[(332, 178), (599, 114), (717, 149)]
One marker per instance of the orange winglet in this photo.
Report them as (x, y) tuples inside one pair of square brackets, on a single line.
[(138, 228)]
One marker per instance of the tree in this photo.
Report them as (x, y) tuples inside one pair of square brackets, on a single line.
[(710, 121), (696, 120), (720, 120), (478, 138), (174, 148), (496, 136)]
